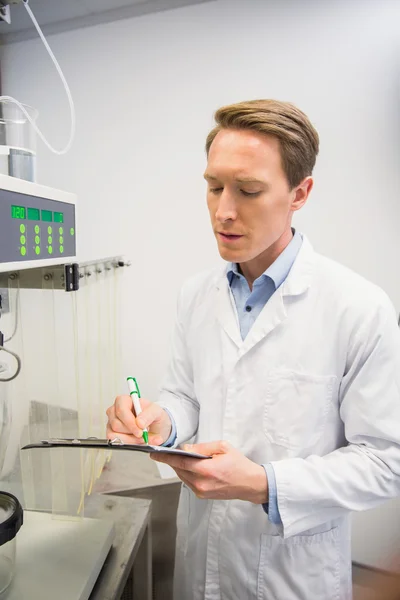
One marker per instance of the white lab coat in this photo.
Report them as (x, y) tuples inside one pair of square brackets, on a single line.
[(314, 389)]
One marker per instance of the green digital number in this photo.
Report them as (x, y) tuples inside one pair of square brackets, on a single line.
[(18, 212)]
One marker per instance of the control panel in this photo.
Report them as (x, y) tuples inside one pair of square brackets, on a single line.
[(33, 227)]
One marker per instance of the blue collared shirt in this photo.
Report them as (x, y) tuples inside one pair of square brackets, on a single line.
[(249, 304)]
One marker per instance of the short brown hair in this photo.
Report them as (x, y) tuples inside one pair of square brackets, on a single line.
[(298, 139)]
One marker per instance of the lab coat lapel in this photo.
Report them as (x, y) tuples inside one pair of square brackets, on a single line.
[(226, 311), (272, 315), (274, 312)]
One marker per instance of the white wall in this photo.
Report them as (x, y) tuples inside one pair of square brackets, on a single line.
[(145, 90)]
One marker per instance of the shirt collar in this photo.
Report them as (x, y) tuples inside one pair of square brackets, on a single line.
[(279, 269)]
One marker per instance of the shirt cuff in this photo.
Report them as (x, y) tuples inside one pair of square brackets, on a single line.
[(172, 438), (271, 508)]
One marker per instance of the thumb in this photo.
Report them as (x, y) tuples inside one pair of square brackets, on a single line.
[(152, 412), (209, 448)]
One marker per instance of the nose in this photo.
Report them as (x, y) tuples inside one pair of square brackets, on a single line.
[(226, 209)]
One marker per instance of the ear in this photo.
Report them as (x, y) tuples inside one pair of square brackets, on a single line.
[(301, 193)]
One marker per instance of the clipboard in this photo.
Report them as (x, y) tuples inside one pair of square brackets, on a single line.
[(115, 444)]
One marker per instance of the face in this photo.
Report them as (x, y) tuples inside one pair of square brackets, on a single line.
[(248, 196)]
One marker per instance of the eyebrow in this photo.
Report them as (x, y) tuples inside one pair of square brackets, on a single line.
[(249, 180), (209, 177)]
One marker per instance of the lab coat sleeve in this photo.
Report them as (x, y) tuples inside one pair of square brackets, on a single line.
[(365, 472), (169, 443), (177, 391)]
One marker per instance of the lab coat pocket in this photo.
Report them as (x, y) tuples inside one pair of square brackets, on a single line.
[(296, 408), (304, 566)]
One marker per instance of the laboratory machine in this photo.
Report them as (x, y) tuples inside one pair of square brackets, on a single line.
[(59, 371), (59, 367)]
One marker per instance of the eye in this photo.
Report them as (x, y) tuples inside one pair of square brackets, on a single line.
[(252, 194), (216, 190)]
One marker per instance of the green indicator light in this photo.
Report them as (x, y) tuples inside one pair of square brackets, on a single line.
[(22, 228), (49, 230), (37, 239), (22, 239), (50, 249), (23, 251), (72, 231), (33, 214), (61, 231), (37, 250), (47, 215), (37, 228), (61, 240), (50, 239), (61, 249)]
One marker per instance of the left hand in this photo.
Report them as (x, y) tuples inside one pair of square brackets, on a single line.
[(228, 475)]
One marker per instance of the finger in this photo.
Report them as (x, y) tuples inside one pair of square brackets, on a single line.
[(155, 439), (117, 425), (209, 448), (199, 485), (150, 414), (183, 476), (123, 412), (190, 479), (126, 439)]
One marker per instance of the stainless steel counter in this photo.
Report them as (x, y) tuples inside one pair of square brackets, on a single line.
[(135, 475), (130, 555)]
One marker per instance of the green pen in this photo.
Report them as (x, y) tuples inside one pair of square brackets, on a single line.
[(134, 393)]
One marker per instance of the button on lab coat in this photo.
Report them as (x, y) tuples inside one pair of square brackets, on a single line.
[(315, 389)]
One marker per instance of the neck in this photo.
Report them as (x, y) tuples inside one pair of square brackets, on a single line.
[(252, 269)]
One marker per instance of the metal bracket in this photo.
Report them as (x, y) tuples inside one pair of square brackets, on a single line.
[(5, 3), (5, 14), (61, 275), (4, 301), (72, 277)]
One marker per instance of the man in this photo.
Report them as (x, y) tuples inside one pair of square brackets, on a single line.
[(286, 369)]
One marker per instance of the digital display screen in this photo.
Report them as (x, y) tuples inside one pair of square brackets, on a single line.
[(18, 212), (33, 214), (58, 217), (47, 215)]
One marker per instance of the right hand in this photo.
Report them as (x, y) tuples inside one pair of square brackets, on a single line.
[(123, 424)]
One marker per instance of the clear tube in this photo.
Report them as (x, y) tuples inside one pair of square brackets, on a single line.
[(5, 418), (17, 141), (66, 86)]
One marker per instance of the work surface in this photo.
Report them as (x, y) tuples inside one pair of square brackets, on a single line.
[(137, 476), (131, 521), (59, 558)]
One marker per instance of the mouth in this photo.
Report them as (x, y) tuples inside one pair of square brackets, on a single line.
[(229, 238)]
